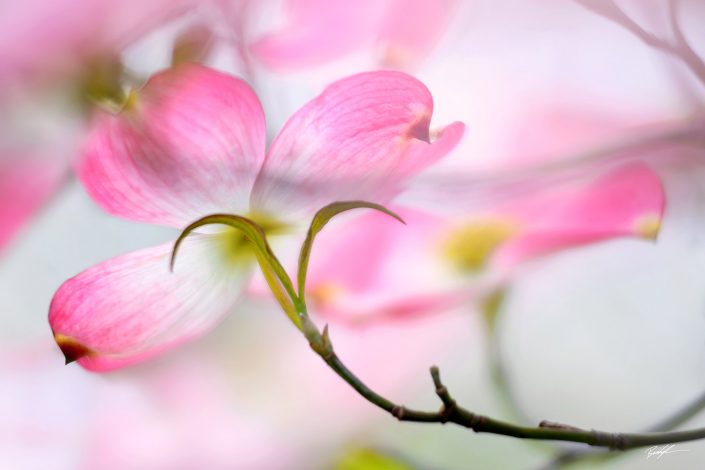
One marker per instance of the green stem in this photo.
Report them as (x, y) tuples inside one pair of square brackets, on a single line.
[(568, 457), (491, 311), (451, 412)]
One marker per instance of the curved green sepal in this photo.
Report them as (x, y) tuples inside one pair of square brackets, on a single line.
[(274, 273), (319, 221), (279, 294)]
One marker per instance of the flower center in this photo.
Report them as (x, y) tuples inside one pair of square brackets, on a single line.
[(101, 84), (468, 247), (236, 248)]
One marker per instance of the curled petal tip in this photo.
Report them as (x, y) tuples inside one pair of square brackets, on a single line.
[(648, 226), (72, 349), (419, 129)]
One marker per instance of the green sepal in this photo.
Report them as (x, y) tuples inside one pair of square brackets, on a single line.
[(275, 275), (319, 221)]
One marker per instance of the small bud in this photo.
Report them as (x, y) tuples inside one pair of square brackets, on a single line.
[(326, 340), (319, 342)]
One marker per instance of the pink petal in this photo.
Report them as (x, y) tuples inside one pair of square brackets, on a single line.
[(190, 145), (362, 138), (372, 267), (627, 201), (412, 28), (554, 128), (26, 183), (130, 308), (319, 30)]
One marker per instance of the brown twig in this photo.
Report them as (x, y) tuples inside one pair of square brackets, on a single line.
[(451, 412)]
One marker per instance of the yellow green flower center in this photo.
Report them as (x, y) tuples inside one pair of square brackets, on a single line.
[(236, 248), (101, 84), (468, 247)]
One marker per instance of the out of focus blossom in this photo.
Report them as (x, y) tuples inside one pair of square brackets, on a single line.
[(373, 268), (545, 191), (46, 41), (156, 421), (192, 143), (398, 32), (58, 57)]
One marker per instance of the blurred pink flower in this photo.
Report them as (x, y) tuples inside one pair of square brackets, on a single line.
[(49, 39), (179, 415), (192, 143), (67, 46), (372, 268), (316, 31)]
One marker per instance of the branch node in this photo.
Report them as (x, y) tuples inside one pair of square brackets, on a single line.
[(398, 412), (450, 407), (477, 422), (621, 442), (555, 425), (451, 412), (612, 440)]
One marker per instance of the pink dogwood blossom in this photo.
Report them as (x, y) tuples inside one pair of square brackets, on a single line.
[(192, 143), (373, 268)]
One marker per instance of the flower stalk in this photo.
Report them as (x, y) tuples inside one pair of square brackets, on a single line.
[(450, 411)]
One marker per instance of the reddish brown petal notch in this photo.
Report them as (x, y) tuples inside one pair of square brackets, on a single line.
[(72, 349)]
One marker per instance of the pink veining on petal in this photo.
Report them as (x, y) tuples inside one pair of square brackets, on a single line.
[(132, 307), (192, 144), (362, 138)]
